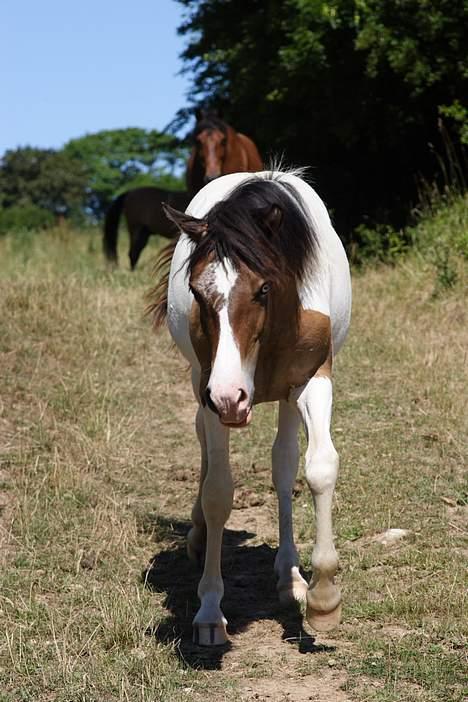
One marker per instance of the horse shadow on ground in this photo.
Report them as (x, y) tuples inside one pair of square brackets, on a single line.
[(250, 594)]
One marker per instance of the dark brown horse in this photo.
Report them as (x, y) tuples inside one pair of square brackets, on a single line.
[(218, 150), (143, 212)]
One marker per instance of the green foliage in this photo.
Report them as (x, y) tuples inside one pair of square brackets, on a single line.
[(164, 180), (25, 217), (81, 180), (423, 43), (117, 159), (441, 237), (459, 114), (43, 179), (378, 243), (349, 87)]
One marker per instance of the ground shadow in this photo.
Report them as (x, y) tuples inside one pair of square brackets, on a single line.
[(250, 594)]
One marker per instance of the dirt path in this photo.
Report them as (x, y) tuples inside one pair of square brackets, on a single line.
[(271, 655)]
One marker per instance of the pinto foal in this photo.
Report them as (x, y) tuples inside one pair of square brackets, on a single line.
[(258, 300)]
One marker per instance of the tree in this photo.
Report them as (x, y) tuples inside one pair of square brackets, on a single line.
[(115, 160), (351, 88), (46, 179)]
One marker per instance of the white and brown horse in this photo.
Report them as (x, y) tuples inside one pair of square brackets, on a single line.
[(258, 300)]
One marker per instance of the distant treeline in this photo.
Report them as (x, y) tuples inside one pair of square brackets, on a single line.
[(78, 182), (357, 90), (354, 89)]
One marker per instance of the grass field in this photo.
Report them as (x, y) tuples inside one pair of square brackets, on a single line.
[(99, 469)]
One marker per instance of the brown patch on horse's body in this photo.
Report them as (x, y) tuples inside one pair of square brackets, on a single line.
[(293, 357), (293, 352), (203, 347), (294, 343)]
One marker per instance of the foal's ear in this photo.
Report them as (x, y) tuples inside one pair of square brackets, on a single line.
[(273, 218), (192, 226)]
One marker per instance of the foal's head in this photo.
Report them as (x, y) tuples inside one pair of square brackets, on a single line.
[(210, 143), (249, 253)]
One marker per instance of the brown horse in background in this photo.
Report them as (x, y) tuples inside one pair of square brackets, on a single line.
[(143, 212), (218, 150)]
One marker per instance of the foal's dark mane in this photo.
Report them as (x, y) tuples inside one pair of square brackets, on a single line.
[(239, 229)]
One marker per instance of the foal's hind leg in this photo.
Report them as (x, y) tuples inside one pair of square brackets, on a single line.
[(314, 402), (196, 538), (138, 239), (285, 457)]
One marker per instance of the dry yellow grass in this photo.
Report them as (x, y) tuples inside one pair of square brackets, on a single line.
[(99, 466)]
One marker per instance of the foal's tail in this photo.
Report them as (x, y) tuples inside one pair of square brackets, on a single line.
[(157, 296), (111, 228)]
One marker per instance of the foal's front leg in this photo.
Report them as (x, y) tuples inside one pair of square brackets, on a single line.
[(209, 624), (196, 539), (285, 458), (314, 402)]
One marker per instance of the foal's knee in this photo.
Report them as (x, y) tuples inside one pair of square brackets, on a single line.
[(322, 469), (217, 496)]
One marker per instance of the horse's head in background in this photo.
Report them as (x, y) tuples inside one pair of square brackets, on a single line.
[(218, 150), (210, 140)]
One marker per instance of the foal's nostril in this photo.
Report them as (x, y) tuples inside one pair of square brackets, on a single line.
[(242, 396), (209, 401)]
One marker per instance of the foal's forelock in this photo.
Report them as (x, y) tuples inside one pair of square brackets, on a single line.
[(263, 224)]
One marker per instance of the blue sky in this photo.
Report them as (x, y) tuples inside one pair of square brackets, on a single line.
[(70, 68)]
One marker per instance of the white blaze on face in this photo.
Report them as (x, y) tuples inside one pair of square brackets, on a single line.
[(229, 373)]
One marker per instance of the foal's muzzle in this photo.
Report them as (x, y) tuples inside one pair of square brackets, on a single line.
[(233, 406)]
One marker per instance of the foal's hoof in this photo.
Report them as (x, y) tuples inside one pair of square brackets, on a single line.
[(324, 606), (294, 590), (210, 634), (324, 621), (291, 586)]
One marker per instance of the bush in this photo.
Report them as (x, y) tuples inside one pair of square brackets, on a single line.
[(377, 243), (441, 238), (26, 217)]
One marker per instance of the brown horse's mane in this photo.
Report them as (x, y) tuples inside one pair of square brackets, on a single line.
[(239, 229), (210, 121)]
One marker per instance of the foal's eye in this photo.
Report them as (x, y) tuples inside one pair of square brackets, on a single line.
[(261, 294)]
